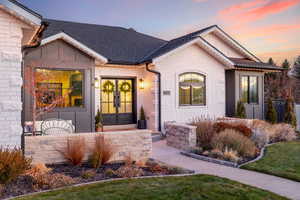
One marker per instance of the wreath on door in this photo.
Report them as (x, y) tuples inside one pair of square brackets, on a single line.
[(108, 87), (125, 87)]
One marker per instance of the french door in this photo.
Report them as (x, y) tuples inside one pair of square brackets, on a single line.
[(117, 101)]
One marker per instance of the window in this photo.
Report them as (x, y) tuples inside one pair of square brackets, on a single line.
[(192, 89), (61, 87), (249, 89)]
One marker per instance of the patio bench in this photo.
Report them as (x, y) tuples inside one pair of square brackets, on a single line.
[(50, 127)]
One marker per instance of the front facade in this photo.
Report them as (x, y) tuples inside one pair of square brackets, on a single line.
[(117, 71), (202, 74)]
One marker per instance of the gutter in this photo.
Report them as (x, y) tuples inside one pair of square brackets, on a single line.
[(158, 74), (37, 42)]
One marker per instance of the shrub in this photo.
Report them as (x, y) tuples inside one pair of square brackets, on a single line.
[(12, 164), (88, 174), (142, 114), (128, 160), (99, 121), (51, 181), (231, 155), (240, 127), (271, 115), (205, 132), (41, 178), (216, 153), (240, 111), (290, 117), (260, 138), (274, 133), (109, 173), (129, 172), (101, 153), (74, 151), (232, 139), (283, 132)]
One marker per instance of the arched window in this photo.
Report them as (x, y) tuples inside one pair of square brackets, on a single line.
[(192, 89)]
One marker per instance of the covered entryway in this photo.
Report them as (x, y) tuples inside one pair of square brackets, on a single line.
[(118, 101)]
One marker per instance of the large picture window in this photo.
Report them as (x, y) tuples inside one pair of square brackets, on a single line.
[(249, 89), (192, 89), (62, 86)]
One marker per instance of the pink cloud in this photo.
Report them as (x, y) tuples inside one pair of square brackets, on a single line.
[(279, 56), (256, 10), (267, 31)]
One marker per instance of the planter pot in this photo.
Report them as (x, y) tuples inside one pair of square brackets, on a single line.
[(99, 128), (142, 124)]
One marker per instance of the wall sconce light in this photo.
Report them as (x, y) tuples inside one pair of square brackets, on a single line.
[(97, 83), (142, 84)]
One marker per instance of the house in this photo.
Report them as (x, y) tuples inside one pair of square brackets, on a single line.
[(119, 70), (203, 73)]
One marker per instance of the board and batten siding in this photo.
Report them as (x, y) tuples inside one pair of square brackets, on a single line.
[(60, 55), (191, 59)]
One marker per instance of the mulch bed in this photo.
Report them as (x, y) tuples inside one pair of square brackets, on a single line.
[(22, 185)]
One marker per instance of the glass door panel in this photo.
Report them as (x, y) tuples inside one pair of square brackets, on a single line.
[(117, 101)]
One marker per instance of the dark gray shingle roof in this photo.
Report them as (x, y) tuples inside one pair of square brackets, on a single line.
[(246, 63), (118, 45), (175, 43), (126, 46)]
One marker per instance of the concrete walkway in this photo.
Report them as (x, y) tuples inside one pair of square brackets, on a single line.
[(277, 185)]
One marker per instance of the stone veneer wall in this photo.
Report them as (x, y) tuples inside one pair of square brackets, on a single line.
[(180, 136), (10, 80), (136, 143)]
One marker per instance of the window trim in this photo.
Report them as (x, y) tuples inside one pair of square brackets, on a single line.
[(205, 90), (248, 89), (73, 108)]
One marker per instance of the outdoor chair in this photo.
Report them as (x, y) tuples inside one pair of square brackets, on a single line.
[(56, 127)]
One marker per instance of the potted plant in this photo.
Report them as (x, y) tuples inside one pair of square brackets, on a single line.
[(142, 123), (98, 121)]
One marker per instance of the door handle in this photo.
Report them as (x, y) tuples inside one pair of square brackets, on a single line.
[(117, 103)]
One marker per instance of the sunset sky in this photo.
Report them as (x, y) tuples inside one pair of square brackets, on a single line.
[(268, 28)]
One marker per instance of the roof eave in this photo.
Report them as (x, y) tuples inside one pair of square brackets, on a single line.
[(22, 12), (265, 69)]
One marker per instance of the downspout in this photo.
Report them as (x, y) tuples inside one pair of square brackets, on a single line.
[(158, 74), (37, 41)]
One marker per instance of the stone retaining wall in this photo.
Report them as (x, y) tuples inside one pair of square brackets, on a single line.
[(45, 149), (181, 136)]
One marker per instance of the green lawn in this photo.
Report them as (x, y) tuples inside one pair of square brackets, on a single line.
[(281, 159), (195, 187)]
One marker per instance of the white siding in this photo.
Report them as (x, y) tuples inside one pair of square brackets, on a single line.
[(192, 59), (146, 97), (222, 46)]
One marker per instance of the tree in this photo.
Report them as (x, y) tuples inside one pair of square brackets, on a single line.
[(271, 115), (42, 99), (142, 114), (290, 116), (99, 121), (271, 61), (295, 71), (286, 64), (240, 111)]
